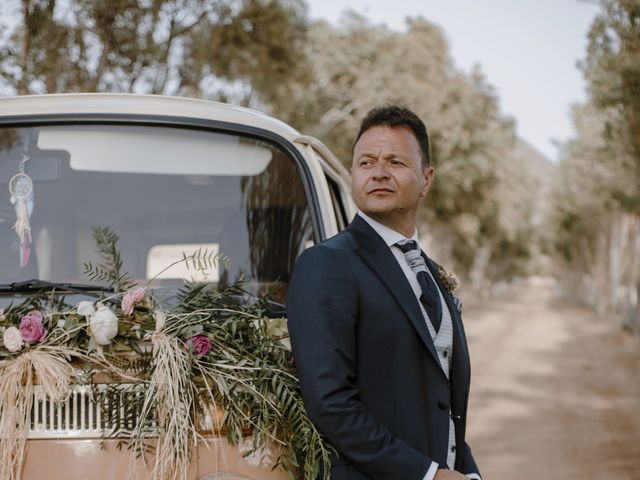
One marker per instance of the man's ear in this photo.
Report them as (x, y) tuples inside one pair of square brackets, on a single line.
[(429, 173)]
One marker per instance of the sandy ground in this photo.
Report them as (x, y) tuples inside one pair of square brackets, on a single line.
[(555, 390)]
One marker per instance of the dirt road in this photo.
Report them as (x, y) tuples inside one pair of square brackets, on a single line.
[(555, 390)]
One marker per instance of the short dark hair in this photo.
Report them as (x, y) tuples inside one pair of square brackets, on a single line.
[(398, 116)]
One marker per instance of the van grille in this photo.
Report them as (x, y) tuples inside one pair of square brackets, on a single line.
[(80, 415)]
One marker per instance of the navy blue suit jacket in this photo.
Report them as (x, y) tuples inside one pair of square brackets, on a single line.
[(368, 369)]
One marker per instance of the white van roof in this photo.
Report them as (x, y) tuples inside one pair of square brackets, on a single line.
[(133, 104)]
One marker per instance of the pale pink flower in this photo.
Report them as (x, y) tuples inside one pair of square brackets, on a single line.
[(31, 327), (12, 339), (131, 298)]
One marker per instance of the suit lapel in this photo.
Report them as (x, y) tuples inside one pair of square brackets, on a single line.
[(377, 255)]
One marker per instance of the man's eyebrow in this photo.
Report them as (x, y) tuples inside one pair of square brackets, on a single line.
[(387, 156), (394, 155), (368, 155)]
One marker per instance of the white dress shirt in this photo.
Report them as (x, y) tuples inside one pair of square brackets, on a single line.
[(444, 349)]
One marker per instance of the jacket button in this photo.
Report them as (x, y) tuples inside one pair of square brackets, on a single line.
[(443, 405)]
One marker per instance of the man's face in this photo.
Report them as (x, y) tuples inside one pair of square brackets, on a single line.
[(388, 180)]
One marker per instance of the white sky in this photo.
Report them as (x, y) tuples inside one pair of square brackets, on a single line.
[(528, 50)]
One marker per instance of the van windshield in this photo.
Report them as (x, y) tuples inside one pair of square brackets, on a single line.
[(166, 192)]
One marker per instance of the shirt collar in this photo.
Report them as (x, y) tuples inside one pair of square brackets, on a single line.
[(389, 236)]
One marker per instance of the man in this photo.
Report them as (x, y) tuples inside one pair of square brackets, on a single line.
[(377, 338)]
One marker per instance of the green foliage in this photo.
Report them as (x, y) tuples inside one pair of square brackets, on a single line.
[(199, 48), (595, 211), (110, 269), (612, 70), (120, 407), (262, 46), (249, 372)]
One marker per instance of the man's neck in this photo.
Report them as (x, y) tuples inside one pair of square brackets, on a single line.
[(405, 227)]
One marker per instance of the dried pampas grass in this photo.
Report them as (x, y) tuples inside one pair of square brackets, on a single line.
[(169, 399), (47, 366)]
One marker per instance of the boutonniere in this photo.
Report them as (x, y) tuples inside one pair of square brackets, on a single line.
[(451, 284), (448, 279)]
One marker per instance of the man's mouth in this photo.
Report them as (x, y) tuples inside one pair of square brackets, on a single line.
[(380, 190)]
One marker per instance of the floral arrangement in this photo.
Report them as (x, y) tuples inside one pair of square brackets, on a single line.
[(212, 353)]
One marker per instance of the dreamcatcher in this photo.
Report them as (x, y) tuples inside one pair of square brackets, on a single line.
[(21, 189)]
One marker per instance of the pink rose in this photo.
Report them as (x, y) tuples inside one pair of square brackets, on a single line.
[(131, 298), (31, 327), (200, 344)]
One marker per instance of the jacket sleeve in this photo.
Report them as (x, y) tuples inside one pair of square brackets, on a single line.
[(322, 311), (469, 464)]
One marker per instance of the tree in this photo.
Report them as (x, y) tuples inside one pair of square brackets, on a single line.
[(358, 66), (585, 216), (596, 200), (201, 48), (612, 69)]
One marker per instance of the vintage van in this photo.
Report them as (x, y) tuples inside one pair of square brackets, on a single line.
[(169, 175)]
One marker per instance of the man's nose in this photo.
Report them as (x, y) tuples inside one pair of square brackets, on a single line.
[(380, 171)]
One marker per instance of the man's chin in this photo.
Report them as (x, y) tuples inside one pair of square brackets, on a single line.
[(378, 206), (377, 213)]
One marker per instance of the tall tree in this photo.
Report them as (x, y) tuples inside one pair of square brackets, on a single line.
[(596, 207), (612, 69), (359, 65), (202, 48)]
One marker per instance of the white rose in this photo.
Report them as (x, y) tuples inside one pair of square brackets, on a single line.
[(103, 325), (12, 339), (86, 308)]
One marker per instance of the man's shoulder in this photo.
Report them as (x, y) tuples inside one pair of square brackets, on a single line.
[(335, 249), (341, 241), (328, 263)]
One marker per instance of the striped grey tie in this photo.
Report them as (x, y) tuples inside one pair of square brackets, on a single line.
[(430, 297)]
